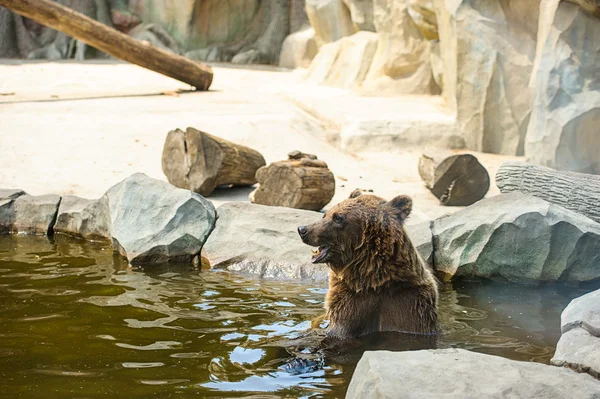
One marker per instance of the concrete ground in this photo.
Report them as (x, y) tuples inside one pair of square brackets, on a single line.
[(79, 128)]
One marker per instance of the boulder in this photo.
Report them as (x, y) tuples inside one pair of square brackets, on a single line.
[(519, 238), (579, 345), (487, 50), (345, 63), (84, 218), (263, 241), (7, 213), (562, 133), (423, 13), (402, 61), (361, 12), (330, 19), (298, 49), (421, 237), (32, 214), (462, 374), (153, 221)]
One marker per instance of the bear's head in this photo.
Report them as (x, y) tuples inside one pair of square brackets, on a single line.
[(361, 233)]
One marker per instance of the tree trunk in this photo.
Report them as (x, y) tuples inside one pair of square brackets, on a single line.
[(200, 162), (112, 41), (456, 179), (301, 182), (578, 192)]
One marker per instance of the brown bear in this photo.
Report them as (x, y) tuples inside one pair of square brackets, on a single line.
[(377, 280)]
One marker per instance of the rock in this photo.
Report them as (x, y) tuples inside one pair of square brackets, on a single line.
[(361, 12), (423, 13), (421, 237), (487, 51), (330, 19), (10, 194), (263, 241), (344, 63), (84, 218), (579, 345), (562, 133), (437, 67), (7, 213), (463, 374), (33, 214), (402, 61), (153, 221), (155, 35), (519, 238), (298, 49)]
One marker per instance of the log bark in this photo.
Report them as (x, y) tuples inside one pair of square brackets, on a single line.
[(456, 179), (200, 162), (112, 41), (579, 192), (301, 182)]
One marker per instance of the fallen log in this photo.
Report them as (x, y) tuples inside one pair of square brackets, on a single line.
[(301, 182), (113, 42), (579, 192), (200, 162), (456, 179)]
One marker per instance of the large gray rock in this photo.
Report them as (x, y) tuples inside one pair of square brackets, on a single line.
[(579, 345), (263, 241), (298, 49), (80, 217), (457, 373), (518, 238), (153, 221), (361, 12), (422, 238), (487, 50), (563, 131), (33, 214), (7, 211), (330, 19)]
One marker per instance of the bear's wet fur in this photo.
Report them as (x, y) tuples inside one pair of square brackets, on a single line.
[(377, 280)]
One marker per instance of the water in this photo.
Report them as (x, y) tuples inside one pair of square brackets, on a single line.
[(77, 322)]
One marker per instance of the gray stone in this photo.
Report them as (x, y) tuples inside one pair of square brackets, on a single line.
[(563, 131), (519, 238), (7, 213), (80, 217), (457, 373), (10, 194), (298, 49), (579, 345), (422, 238), (34, 214), (153, 221), (263, 241), (361, 12), (330, 19)]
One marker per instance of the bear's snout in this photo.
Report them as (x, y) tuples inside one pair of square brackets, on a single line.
[(302, 230)]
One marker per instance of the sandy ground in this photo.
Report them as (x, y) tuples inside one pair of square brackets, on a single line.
[(79, 128)]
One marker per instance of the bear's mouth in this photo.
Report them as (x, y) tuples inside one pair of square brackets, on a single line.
[(319, 255)]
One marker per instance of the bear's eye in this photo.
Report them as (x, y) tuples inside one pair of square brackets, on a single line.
[(338, 218)]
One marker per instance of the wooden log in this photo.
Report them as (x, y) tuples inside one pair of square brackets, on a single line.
[(113, 42), (579, 192), (200, 162), (301, 182), (456, 179)]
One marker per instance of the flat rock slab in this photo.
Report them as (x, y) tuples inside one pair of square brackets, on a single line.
[(263, 241), (457, 373), (518, 238), (80, 217), (153, 221), (27, 214), (579, 345)]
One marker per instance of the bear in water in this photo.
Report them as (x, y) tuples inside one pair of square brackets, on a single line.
[(377, 280)]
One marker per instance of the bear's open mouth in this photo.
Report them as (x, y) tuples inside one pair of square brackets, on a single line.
[(320, 254)]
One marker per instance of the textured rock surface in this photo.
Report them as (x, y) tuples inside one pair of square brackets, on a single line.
[(80, 217), (330, 19), (263, 241), (463, 374), (298, 49), (421, 237), (562, 133), (33, 214), (518, 238), (344, 63), (361, 12), (487, 50), (7, 212), (579, 345), (402, 61), (153, 221), (423, 13)]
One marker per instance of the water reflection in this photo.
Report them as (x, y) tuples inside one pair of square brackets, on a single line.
[(76, 321)]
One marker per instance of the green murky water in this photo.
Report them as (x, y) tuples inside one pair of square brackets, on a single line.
[(76, 322)]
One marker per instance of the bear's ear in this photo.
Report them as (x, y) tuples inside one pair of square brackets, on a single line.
[(401, 206), (355, 193)]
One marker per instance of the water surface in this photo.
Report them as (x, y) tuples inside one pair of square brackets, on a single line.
[(77, 322)]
